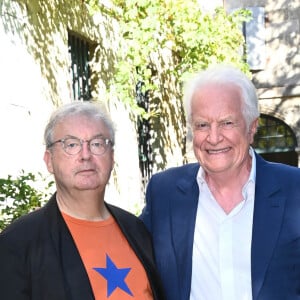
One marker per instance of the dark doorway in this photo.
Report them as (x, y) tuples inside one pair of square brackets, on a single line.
[(289, 158)]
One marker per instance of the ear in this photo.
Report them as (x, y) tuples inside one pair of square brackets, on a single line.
[(48, 161), (253, 129)]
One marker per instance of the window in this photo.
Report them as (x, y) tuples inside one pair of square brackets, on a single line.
[(273, 135), (254, 33), (79, 52)]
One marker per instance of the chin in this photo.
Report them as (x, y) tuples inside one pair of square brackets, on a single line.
[(87, 186), (216, 168)]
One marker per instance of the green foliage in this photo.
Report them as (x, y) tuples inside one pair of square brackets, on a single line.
[(196, 40), (19, 195)]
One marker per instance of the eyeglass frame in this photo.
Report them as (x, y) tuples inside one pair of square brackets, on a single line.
[(106, 143)]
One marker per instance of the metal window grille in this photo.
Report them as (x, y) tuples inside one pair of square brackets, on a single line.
[(79, 52), (273, 135), (144, 142)]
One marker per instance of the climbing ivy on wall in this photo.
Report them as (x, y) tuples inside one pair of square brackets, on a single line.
[(19, 195), (195, 40)]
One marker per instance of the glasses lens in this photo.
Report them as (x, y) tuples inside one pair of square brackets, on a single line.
[(98, 146), (72, 146)]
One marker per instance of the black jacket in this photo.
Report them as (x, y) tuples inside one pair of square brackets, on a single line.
[(39, 259)]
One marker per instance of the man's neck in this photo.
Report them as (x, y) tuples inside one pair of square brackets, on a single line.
[(85, 205)]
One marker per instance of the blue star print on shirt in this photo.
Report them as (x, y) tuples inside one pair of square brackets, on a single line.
[(115, 277)]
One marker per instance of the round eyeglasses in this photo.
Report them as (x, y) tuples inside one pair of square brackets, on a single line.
[(73, 145)]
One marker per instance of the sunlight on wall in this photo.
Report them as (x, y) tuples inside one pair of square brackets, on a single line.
[(22, 111), (127, 169)]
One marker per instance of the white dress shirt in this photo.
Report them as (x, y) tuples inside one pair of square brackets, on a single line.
[(221, 268)]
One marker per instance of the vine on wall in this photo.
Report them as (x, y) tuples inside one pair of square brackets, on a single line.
[(194, 38)]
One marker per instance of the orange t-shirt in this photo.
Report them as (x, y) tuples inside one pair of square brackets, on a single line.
[(114, 270)]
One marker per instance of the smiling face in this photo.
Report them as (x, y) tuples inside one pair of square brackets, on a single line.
[(84, 170), (221, 137)]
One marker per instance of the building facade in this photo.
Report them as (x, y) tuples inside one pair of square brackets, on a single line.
[(49, 49), (273, 42)]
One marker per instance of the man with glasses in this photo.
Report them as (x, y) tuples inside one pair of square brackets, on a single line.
[(77, 246)]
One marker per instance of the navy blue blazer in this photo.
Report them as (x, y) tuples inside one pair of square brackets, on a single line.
[(170, 214), (39, 259)]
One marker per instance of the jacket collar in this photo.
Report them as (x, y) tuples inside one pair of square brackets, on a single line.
[(183, 208), (76, 283), (267, 221)]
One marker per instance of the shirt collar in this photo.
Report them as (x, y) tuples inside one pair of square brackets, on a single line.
[(252, 176)]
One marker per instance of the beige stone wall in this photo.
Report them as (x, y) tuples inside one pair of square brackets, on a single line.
[(278, 83), (35, 78)]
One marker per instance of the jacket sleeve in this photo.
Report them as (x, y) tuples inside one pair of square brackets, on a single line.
[(13, 273)]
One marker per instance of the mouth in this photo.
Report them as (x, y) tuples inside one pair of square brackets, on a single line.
[(85, 171), (218, 151)]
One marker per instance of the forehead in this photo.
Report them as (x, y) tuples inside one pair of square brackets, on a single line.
[(214, 98), (80, 125), (215, 90)]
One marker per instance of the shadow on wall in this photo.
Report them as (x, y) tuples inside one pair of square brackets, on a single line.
[(43, 27), (282, 39)]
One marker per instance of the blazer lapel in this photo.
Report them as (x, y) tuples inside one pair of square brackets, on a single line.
[(76, 282), (183, 215), (267, 220)]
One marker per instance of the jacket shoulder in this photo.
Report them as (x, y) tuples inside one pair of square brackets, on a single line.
[(127, 220), (27, 227), (25, 224), (277, 170), (184, 170)]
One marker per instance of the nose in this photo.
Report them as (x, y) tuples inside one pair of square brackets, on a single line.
[(85, 150), (214, 135)]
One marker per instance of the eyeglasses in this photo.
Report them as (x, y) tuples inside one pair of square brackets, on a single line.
[(73, 145)]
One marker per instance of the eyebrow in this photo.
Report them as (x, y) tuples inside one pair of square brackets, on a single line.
[(99, 135)]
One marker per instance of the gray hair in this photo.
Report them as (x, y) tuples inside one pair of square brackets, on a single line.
[(89, 109), (225, 75)]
